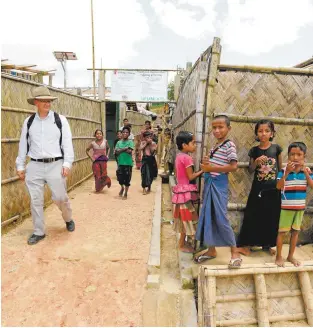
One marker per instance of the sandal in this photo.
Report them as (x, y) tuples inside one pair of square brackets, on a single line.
[(203, 258), (235, 263)]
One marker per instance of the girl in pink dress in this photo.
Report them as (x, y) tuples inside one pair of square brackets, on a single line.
[(185, 193)]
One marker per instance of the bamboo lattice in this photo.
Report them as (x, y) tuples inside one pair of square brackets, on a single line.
[(255, 295)]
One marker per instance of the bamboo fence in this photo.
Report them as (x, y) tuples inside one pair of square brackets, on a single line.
[(84, 116), (248, 94), (255, 295)]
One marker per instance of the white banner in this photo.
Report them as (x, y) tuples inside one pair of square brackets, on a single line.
[(147, 86)]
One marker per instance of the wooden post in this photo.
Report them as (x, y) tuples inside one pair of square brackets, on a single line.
[(261, 300), (307, 294), (200, 107), (213, 69)]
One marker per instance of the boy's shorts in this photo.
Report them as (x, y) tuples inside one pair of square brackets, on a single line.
[(290, 220)]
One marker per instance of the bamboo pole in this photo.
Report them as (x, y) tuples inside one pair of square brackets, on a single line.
[(27, 111), (252, 296), (241, 207), (307, 294), (276, 120), (93, 51), (13, 140), (246, 322), (201, 282), (254, 270), (134, 69), (211, 82), (210, 320), (265, 69), (206, 312), (261, 300)]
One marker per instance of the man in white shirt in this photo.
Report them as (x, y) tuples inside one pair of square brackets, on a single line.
[(47, 139)]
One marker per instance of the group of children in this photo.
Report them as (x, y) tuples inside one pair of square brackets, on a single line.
[(123, 152), (275, 204)]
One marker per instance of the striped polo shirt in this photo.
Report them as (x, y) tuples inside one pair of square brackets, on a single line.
[(223, 156), (294, 193)]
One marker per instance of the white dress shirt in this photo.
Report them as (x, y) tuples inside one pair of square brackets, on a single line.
[(44, 138)]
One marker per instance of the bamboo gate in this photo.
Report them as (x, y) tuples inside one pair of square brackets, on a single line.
[(246, 94), (84, 116)]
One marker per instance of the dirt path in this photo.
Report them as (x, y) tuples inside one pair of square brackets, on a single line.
[(92, 277)]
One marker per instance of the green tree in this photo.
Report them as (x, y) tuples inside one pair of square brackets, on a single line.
[(170, 91)]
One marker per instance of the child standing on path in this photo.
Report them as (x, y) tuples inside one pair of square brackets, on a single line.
[(185, 193), (123, 151), (149, 168), (214, 228), (293, 181), (100, 157), (261, 218)]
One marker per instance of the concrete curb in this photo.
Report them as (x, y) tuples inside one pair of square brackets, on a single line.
[(184, 259), (154, 261)]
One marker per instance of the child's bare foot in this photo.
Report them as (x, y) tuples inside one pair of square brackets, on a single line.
[(148, 190), (186, 249), (295, 262), (244, 251), (124, 197), (144, 191), (280, 261), (121, 192)]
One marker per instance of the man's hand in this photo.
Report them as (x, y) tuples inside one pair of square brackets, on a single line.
[(21, 175), (65, 171)]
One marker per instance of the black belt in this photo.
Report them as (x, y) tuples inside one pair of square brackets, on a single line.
[(46, 160)]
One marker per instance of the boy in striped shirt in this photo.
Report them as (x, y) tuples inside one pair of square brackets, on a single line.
[(293, 181)]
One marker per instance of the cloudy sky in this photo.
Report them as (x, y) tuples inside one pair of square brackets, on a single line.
[(155, 33)]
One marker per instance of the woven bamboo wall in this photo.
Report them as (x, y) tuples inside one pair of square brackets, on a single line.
[(84, 118), (137, 120), (249, 94), (186, 103)]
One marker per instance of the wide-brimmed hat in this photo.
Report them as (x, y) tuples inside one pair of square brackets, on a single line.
[(40, 93)]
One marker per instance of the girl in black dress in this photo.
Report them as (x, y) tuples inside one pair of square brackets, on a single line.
[(261, 217)]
